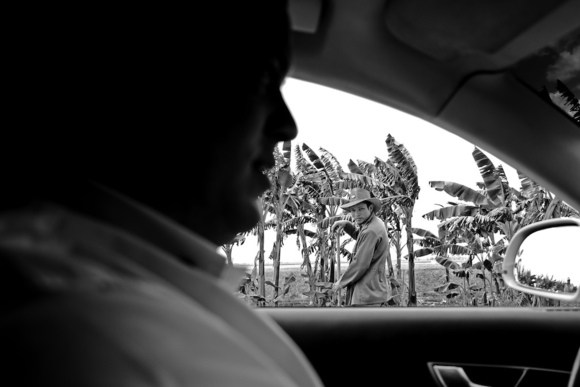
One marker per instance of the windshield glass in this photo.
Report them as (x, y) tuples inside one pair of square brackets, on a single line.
[(554, 72)]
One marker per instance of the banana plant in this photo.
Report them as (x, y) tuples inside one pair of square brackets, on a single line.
[(430, 244), (271, 205), (485, 211), (302, 215), (393, 210), (332, 206), (494, 208), (317, 176), (238, 240), (480, 215), (258, 273), (280, 199), (405, 184), (536, 203)]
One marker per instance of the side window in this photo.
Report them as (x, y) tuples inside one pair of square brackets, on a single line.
[(449, 209)]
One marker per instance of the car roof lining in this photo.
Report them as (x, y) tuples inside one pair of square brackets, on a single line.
[(330, 55), (447, 30)]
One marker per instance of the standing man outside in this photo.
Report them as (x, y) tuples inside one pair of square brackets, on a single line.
[(365, 278)]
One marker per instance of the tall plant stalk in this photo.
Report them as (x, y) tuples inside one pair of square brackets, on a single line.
[(337, 241)]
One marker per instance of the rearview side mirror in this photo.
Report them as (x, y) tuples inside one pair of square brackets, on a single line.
[(543, 259)]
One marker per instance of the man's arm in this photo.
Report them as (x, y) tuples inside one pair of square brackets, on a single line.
[(362, 260), (347, 226)]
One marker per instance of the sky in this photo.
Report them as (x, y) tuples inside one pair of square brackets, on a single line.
[(352, 127)]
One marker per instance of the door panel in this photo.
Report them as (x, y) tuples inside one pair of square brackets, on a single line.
[(360, 346)]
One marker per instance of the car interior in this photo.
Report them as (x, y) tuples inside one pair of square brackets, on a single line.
[(465, 67)]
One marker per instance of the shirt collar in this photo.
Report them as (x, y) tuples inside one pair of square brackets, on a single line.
[(158, 229), (122, 219), (366, 222)]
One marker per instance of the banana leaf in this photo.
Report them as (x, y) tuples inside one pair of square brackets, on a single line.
[(332, 201), (488, 172), (423, 233), (328, 221), (332, 159), (450, 212), (330, 168), (529, 187), (446, 287), (447, 262), (504, 181), (458, 250), (302, 165), (402, 159), (345, 253), (367, 168), (353, 168), (461, 192), (387, 169), (272, 285), (292, 202), (362, 180), (294, 222), (402, 200), (423, 252), (314, 159)]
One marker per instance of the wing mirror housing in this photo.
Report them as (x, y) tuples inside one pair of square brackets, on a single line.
[(543, 259)]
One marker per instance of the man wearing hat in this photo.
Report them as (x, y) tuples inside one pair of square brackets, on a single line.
[(365, 278)]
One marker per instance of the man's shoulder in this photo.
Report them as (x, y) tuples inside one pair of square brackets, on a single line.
[(167, 335), (376, 224)]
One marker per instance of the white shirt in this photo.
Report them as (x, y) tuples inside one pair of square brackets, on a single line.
[(109, 309)]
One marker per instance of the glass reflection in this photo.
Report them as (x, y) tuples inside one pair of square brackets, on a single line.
[(554, 73)]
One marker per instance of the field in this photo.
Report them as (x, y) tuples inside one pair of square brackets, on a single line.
[(428, 276)]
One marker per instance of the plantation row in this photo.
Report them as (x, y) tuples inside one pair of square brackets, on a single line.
[(478, 225)]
